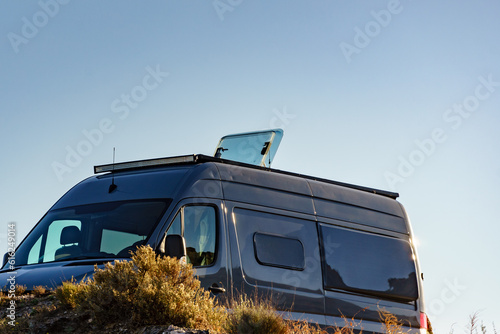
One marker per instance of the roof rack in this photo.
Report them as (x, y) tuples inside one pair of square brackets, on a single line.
[(200, 158), (145, 163)]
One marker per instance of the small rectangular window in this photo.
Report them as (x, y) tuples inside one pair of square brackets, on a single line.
[(273, 250), (368, 263)]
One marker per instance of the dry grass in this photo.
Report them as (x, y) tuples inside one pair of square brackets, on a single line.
[(348, 328), (20, 289), (303, 327), (476, 326), (254, 315), (39, 291), (391, 323)]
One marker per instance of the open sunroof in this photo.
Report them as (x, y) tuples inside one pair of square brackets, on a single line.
[(255, 148)]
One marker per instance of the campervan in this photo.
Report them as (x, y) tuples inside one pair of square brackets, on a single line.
[(324, 250)]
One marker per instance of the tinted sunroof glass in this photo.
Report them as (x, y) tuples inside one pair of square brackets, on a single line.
[(256, 148)]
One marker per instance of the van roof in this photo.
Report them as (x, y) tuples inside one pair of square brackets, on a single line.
[(200, 158)]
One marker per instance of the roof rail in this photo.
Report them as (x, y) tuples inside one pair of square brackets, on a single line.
[(144, 163), (200, 158)]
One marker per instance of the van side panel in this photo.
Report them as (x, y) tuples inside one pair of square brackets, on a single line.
[(293, 283), (202, 181), (362, 199), (358, 215), (266, 189), (332, 201), (421, 300)]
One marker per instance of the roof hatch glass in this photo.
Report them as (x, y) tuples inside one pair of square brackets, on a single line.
[(255, 148)]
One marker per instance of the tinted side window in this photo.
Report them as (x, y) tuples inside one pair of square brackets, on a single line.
[(272, 250), (368, 263), (198, 226), (175, 228)]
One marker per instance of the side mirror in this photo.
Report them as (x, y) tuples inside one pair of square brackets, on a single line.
[(174, 245)]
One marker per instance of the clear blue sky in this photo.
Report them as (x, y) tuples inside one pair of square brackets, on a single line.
[(399, 95)]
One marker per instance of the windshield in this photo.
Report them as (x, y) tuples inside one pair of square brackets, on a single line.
[(110, 229)]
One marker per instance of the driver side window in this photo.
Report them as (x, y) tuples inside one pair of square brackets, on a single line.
[(197, 224)]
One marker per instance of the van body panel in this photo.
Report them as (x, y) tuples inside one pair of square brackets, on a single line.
[(420, 301), (264, 179), (262, 188), (359, 215), (273, 198), (52, 275), (202, 181), (298, 288), (352, 306), (364, 199), (363, 326)]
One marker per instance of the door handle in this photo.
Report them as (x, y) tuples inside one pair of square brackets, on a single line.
[(215, 289)]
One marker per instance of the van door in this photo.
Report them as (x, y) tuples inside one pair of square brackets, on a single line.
[(275, 254), (201, 222)]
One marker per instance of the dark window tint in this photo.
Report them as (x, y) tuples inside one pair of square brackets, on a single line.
[(198, 226), (368, 263), (199, 232), (110, 229), (278, 251)]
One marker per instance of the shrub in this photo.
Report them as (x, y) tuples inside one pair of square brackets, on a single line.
[(20, 289), (147, 290), (259, 316), (71, 294), (39, 291), (254, 316)]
